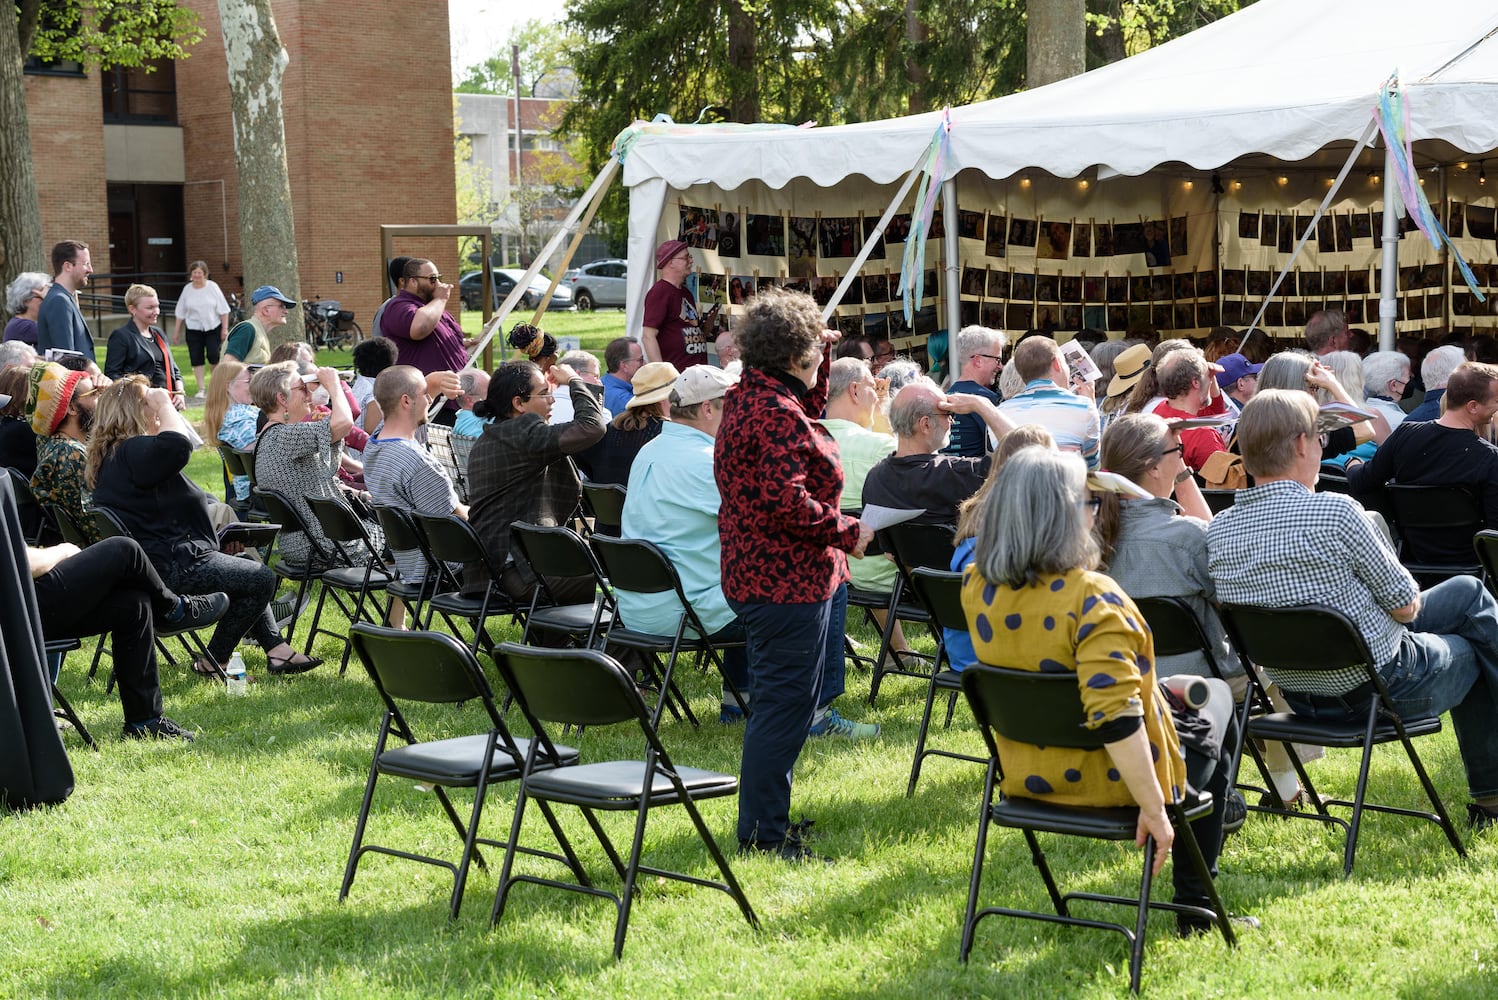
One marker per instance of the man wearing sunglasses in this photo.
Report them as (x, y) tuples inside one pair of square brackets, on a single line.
[(427, 337)]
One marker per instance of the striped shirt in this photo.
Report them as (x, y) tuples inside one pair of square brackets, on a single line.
[(401, 473), (1281, 545), (1071, 419)]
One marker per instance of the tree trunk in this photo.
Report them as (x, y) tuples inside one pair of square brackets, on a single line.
[(21, 246), (915, 71), (743, 100), (1109, 47), (267, 231), (1056, 45)]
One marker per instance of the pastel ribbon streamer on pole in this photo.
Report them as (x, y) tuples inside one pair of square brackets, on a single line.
[(913, 262)]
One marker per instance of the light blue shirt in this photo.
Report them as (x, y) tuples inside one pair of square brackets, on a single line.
[(1071, 419), (616, 393), (673, 501), (468, 425), (238, 431)]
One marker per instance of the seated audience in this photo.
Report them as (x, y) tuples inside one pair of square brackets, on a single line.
[(586, 366), (140, 347), (1238, 380), (230, 418), (1129, 367), (62, 413), (916, 475), (673, 501), (1034, 564), (1434, 371), (1189, 389), (622, 357), (299, 458), (112, 587), (137, 451), (18, 352), (1386, 376), (1048, 399), (1297, 370), (293, 350), (23, 300), (1282, 544), (979, 359), (1450, 451), (400, 473), (609, 460), (520, 470), (371, 357)]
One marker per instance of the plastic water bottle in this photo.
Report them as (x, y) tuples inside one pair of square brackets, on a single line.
[(235, 672)]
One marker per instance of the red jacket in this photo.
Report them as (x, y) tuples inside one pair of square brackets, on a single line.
[(781, 479)]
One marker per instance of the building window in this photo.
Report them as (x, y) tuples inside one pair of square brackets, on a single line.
[(134, 96), (37, 66)]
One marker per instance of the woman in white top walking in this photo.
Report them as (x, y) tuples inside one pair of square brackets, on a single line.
[(203, 309)]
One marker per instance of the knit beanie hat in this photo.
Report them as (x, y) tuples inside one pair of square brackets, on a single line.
[(49, 392)]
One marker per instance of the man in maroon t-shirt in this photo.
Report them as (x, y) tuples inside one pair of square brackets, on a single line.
[(426, 335), (671, 327)]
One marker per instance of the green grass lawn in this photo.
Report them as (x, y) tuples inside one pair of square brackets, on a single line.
[(212, 870)]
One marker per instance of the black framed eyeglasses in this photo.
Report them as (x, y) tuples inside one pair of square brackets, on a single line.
[(1092, 504), (1179, 449), (991, 357)]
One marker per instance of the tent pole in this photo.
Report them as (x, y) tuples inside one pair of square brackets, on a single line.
[(868, 244), (953, 301), (1388, 292)]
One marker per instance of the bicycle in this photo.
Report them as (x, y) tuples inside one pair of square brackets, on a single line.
[(331, 326)]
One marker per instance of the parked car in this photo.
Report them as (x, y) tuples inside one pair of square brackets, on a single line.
[(601, 283), (505, 279)]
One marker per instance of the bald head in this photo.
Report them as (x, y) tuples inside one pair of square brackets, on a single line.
[(395, 382), (916, 400)]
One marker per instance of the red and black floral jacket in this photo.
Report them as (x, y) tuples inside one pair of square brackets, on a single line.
[(781, 479)]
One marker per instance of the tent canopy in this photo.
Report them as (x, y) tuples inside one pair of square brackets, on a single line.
[(1281, 77)]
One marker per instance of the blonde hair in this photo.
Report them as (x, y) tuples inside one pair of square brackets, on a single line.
[(1023, 436), (219, 401), (119, 413), (135, 293)]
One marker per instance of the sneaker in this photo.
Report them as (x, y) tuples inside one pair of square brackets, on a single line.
[(1234, 811), (285, 609), (730, 715), (197, 611), (833, 724), (1189, 925), (160, 728), (792, 848), (1481, 817)]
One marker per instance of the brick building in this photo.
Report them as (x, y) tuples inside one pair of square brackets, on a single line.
[(141, 166)]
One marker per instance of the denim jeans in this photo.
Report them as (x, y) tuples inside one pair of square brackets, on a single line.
[(787, 647), (835, 662), (1447, 661)]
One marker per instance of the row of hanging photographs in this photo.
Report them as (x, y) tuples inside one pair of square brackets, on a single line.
[(1336, 231), (871, 287), (803, 240)]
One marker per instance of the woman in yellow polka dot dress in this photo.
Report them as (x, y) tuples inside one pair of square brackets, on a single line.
[(1033, 602)]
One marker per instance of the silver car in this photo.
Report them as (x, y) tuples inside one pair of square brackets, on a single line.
[(601, 283), (505, 278)]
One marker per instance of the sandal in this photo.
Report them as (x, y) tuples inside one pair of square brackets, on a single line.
[(280, 665), (207, 666)]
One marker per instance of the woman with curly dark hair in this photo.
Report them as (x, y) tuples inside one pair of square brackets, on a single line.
[(785, 550)]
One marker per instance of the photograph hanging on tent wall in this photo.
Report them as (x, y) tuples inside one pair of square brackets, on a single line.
[(998, 233), (869, 225), (802, 259), (728, 234), (838, 237), (765, 235)]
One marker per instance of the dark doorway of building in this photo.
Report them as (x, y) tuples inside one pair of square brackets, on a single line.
[(146, 236)]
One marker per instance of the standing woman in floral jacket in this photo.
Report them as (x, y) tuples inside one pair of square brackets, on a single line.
[(785, 546)]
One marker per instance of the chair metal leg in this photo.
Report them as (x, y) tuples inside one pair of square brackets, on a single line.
[(969, 916), (66, 711), (355, 851)]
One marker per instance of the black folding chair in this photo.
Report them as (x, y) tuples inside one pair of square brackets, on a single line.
[(451, 539), (33, 524), (559, 553), (1316, 651), (1219, 500), (583, 687), (940, 593), (433, 668), (401, 535), (281, 510), (641, 567), (345, 530), (1422, 514), (606, 501), (912, 545), (64, 710), (1045, 709)]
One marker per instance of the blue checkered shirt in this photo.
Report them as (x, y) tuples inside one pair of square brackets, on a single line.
[(1281, 545)]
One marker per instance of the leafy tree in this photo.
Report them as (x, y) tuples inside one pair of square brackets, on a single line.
[(545, 57), (93, 33)]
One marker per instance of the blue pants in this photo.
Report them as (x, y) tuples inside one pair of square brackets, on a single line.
[(1447, 661), (835, 663), (787, 654)]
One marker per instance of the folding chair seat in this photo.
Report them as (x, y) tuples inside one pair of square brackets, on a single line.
[(605, 501), (1419, 511), (940, 593), (641, 567), (64, 710), (401, 535), (1045, 709), (912, 545), (586, 688), (434, 668), (109, 525), (343, 528), (561, 553), (1317, 651), (280, 509), (451, 539)]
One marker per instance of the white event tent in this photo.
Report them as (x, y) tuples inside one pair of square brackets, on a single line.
[(1277, 82)]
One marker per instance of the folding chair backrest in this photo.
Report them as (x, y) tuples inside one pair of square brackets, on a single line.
[(912, 545), (72, 531), (401, 533), (108, 524), (940, 593), (1311, 648), (233, 461), (636, 565), (1447, 510), (338, 520), (1485, 543), (1219, 500), (1027, 706), (1174, 625), (280, 509), (419, 666), (26, 506), (578, 687), (556, 552), (606, 501), (439, 443), (451, 539)]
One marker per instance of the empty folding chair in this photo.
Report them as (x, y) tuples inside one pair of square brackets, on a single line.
[(452, 539), (606, 501), (559, 553)]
